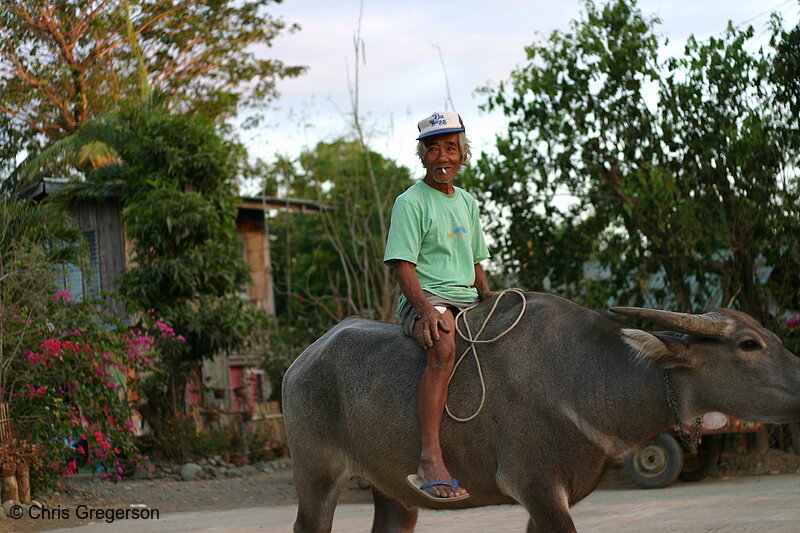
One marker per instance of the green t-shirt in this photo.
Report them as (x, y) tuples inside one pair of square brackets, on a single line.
[(441, 234)]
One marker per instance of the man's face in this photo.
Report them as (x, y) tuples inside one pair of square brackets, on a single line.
[(442, 157)]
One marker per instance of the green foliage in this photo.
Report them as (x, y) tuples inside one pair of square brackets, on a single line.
[(66, 64), (178, 438), (329, 265), (264, 448), (285, 342), (216, 441), (181, 215), (334, 259), (682, 171)]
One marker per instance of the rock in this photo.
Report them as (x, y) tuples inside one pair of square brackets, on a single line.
[(3, 516), (282, 464), (212, 471), (143, 473), (36, 503), (7, 505), (233, 472), (190, 471), (248, 470)]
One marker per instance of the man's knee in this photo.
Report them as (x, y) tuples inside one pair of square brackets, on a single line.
[(443, 354)]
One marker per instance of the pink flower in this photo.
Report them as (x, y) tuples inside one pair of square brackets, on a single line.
[(34, 391), (34, 358), (163, 327), (62, 295), (51, 347)]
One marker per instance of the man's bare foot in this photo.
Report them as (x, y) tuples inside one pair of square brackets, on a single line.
[(431, 471)]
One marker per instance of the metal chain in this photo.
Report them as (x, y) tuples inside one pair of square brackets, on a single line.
[(691, 442)]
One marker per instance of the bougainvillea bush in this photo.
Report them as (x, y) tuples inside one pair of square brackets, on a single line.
[(75, 383)]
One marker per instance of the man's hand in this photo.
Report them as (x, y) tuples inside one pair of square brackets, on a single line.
[(426, 329)]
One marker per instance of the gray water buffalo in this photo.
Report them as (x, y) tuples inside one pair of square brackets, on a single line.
[(567, 390)]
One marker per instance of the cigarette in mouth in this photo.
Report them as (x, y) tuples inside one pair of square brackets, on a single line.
[(443, 171)]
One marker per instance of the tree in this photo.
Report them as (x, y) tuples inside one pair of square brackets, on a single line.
[(337, 174), (683, 170), (66, 62), (329, 265)]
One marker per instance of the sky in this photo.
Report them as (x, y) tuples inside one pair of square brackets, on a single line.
[(421, 56)]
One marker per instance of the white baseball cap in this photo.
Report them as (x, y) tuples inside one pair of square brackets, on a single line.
[(440, 122)]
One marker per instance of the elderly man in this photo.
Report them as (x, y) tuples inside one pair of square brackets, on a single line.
[(435, 246)]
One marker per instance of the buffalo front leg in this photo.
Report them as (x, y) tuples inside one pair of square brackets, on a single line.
[(392, 516)]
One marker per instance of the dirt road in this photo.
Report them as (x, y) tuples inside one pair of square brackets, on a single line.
[(767, 504)]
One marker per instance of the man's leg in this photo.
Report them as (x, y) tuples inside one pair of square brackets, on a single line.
[(431, 400)]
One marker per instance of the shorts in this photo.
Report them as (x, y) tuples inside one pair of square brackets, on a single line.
[(409, 315)]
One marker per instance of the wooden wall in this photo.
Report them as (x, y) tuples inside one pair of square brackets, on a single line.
[(104, 218)]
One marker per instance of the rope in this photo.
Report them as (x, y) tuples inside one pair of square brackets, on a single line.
[(477, 340)]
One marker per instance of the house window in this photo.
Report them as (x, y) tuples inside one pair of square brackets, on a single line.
[(81, 284)]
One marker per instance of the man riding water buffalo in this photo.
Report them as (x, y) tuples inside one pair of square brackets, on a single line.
[(435, 246), (579, 387)]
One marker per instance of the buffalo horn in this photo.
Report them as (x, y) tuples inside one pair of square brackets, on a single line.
[(710, 325)]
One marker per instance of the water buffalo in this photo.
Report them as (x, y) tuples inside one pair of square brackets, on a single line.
[(567, 390)]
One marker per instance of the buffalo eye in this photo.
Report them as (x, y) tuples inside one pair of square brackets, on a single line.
[(749, 345)]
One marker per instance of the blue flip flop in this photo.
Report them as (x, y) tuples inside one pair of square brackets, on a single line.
[(419, 485)]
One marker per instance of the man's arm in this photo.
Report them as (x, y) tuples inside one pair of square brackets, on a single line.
[(481, 283), (406, 273)]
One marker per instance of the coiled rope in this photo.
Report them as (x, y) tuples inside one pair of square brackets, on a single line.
[(477, 340)]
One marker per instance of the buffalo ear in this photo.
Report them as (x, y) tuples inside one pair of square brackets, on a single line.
[(663, 352)]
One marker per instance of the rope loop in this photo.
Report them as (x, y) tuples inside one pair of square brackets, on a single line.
[(477, 340)]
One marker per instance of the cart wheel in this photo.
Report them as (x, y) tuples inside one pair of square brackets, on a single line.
[(656, 463), (702, 465)]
